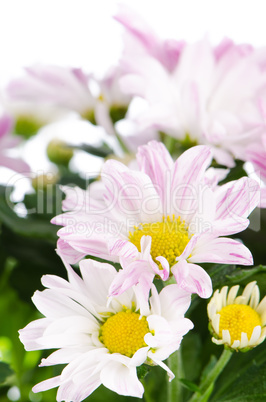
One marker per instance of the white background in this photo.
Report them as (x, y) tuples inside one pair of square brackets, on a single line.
[(82, 33)]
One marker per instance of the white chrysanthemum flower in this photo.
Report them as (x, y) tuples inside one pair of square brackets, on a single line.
[(103, 341), (238, 321)]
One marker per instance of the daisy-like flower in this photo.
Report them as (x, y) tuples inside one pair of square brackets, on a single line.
[(62, 87), (238, 322), (198, 104), (169, 215), (101, 341)]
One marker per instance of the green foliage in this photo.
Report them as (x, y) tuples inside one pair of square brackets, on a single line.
[(5, 372)]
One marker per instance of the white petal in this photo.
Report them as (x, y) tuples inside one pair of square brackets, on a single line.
[(262, 306), (216, 323), (98, 278), (163, 365), (226, 336), (248, 291), (174, 302), (121, 379), (31, 334), (236, 344), (232, 294), (47, 384), (255, 335), (255, 297), (244, 340)]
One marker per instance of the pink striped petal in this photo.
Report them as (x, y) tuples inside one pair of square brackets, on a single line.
[(237, 199), (189, 170), (138, 272), (222, 250), (71, 255), (130, 193), (156, 162), (192, 278)]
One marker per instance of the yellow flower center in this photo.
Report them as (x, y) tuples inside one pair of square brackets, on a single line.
[(238, 318), (124, 333), (169, 238)]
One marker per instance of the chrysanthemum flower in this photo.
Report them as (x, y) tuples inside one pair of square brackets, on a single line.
[(103, 341), (55, 89), (200, 104), (238, 321), (66, 88), (166, 215)]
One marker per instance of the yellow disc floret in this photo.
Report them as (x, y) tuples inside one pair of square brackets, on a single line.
[(124, 333), (237, 318), (169, 238)]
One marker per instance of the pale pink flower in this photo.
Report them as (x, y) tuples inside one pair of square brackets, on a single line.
[(50, 91), (93, 336), (9, 142), (168, 216), (110, 89), (62, 87), (215, 103), (140, 38)]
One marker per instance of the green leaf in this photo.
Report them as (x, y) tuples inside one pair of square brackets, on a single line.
[(189, 385), (223, 275), (102, 151), (33, 258), (245, 372), (36, 227), (5, 371), (191, 355), (250, 386)]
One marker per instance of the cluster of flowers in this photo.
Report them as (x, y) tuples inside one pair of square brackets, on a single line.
[(158, 218)]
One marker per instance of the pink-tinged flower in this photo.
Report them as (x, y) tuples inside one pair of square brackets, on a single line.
[(62, 87), (165, 216), (7, 143), (102, 341), (208, 104), (139, 39), (110, 89), (112, 103), (132, 133)]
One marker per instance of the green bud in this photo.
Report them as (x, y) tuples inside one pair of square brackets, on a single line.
[(43, 181), (27, 126), (117, 112), (59, 153), (89, 115)]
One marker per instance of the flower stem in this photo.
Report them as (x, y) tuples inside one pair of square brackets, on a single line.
[(174, 388), (122, 144), (206, 385)]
